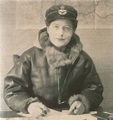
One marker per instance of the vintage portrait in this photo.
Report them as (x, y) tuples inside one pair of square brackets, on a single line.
[(56, 59)]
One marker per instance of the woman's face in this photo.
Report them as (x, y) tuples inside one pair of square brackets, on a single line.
[(60, 32)]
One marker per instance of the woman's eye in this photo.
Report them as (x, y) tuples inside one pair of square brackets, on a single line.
[(67, 28), (55, 26)]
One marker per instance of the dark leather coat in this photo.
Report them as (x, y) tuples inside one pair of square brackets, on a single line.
[(33, 79)]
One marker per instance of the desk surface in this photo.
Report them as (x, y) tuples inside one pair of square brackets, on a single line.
[(13, 115)]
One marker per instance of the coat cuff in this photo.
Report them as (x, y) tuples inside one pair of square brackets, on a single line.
[(27, 103), (81, 98)]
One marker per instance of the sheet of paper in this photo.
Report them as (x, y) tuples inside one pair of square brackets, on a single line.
[(51, 113), (56, 115), (70, 117), (64, 116)]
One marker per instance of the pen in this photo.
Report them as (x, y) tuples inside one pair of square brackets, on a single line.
[(93, 112), (108, 113)]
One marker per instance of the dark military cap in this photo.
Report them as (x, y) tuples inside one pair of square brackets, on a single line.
[(61, 11)]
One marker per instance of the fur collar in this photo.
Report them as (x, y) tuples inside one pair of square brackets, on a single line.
[(58, 58)]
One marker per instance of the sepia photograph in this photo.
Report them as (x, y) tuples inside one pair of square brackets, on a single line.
[(56, 59)]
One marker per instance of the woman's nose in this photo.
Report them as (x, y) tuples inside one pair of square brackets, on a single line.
[(60, 32)]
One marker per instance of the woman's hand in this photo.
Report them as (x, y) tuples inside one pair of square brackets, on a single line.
[(77, 108), (37, 109)]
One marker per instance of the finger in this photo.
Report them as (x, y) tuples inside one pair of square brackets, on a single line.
[(37, 112), (77, 107), (75, 111), (78, 104), (80, 110), (44, 108), (73, 106), (71, 109), (48, 110), (44, 113)]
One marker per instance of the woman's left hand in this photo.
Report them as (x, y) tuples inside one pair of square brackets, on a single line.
[(77, 108)]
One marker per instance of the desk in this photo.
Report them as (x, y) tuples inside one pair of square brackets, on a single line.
[(11, 115)]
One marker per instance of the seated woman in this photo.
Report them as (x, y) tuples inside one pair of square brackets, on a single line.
[(58, 75)]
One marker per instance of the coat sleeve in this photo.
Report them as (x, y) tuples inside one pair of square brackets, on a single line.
[(17, 85), (92, 88)]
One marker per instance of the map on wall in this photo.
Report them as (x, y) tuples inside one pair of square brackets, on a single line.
[(92, 14)]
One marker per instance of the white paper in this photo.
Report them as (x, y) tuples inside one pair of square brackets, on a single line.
[(56, 115)]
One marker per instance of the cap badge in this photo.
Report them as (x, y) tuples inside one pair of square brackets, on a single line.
[(62, 10)]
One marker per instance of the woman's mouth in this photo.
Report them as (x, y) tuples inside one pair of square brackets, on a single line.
[(61, 39)]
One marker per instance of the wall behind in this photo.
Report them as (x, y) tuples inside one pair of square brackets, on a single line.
[(20, 21)]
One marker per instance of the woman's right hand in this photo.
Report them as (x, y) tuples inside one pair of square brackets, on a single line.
[(37, 109)]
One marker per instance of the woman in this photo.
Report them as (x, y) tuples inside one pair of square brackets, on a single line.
[(58, 75)]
